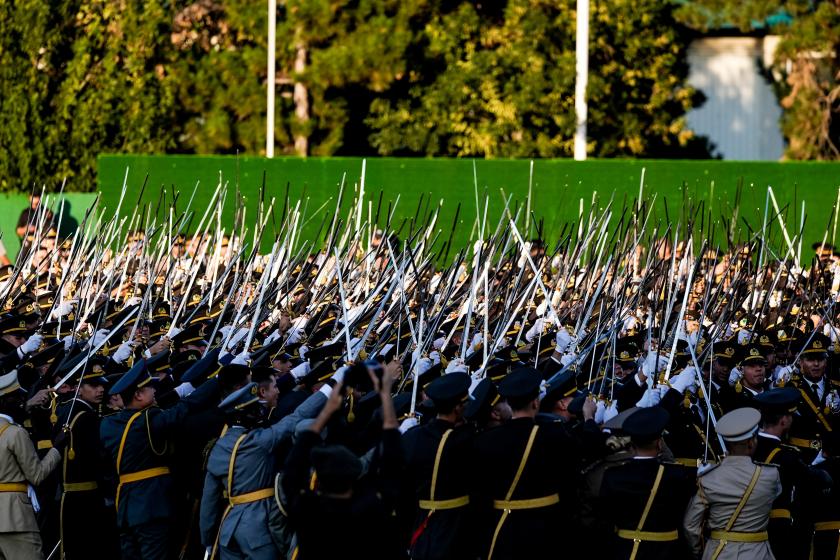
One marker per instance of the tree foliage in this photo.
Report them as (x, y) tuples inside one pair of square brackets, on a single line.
[(806, 71), (423, 77)]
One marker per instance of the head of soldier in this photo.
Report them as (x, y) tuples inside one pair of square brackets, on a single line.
[(559, 394), (739, 430), (243, 407), (778, 406), (521, 389), (266, 380), (450, 394), (813, 366), (754, 369), (645, 427), (92, 391), (282, 363)]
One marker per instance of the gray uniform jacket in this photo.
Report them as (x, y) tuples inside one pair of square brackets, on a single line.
[(19, 463), (254, 469), (718, 494)]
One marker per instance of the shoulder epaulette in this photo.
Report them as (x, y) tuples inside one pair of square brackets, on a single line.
[(707, 470)]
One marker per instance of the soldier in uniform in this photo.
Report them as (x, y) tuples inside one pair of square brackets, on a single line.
[(439, 468), (82, 491), (236, 503), (525, 468), (825, 544), (734, 498), (819, 407), (644, 498), (136, 441), (800, 482), (751, 382), (20, 469)]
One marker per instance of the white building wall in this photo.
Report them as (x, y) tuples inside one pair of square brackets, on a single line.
[(741, 113)]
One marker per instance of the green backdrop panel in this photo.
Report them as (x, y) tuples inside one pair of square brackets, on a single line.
[(558, 187)]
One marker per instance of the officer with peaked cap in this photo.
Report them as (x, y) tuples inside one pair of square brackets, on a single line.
[(439, 468), (525, 468), (135, 439), (83, 490), (20, 468), (734, 499), (800, 482), (819, 408), (236, 503), (644, 498)]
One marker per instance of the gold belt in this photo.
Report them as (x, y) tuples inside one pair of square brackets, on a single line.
[(780, 514), (254, 496), (735, 536), (686, 461), (13, 487), (453, 503), (807, 443), (44, 444), (654, 536), (143, 475), (532, 503), (827, 526), (80, 486)]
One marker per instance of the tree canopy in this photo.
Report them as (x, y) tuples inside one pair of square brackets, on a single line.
[(354, 77)]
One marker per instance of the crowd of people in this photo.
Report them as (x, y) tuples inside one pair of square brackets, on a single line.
[(386, 396)]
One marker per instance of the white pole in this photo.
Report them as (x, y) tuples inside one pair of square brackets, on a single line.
[(272, 43), (581, 77)]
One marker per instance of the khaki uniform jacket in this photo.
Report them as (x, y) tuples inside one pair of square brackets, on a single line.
[(718, 494), (19, 463)]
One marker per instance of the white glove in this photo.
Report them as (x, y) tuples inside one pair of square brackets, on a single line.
[(241, 359), (225, 330), (476, 341), (743, 336), (63, 308), (301, 370), (124, 352), (435, 357), (184, 389), (338, 376), (408, 423), (456, 365), (651, 397), (272, 337), (99, 337), (173, 332), (133, 300), (562, 340), (535, 330), (422, 366), (237, 337), (302, 350), (650, 366), (567, 359), (832, 401), (610, 412), (600, 411), (686, 380), (783, 375), (437, 343), (31, 345), (734, 376), (68, 342)]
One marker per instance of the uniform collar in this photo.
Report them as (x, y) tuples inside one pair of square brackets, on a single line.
[(769, 436), (7, 418)]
